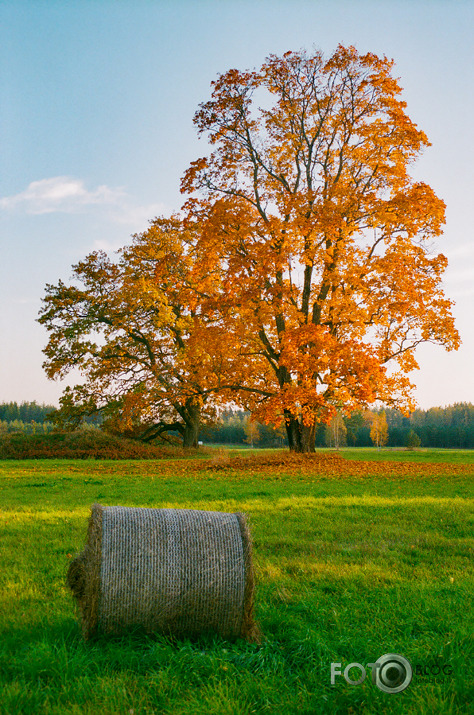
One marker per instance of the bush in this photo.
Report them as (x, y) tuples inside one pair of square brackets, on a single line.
[(81, 444)]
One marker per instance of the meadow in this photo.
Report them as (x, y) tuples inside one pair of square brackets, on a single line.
[(357, 554)]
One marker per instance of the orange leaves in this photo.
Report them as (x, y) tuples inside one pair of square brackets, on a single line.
[(189, 179), (312, 467), (320, 233)]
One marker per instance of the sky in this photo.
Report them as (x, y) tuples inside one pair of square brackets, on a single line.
[(98, 98)]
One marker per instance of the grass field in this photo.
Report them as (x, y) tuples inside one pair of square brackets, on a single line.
[(355, 557)]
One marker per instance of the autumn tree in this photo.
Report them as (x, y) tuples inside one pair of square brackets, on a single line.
[(379, 429), (336, 431), (324, 238), (252, 431), (151, 358)]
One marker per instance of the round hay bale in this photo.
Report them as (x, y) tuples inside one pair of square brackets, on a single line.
[(169, 571)]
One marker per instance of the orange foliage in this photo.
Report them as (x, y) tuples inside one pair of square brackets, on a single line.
[(307, 467), (320, 236)]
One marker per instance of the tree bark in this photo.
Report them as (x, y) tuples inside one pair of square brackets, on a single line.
[(192, 424), (308, 438), (301, 437)]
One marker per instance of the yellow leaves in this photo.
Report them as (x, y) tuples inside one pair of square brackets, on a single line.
[(329, 254), (379, 429)]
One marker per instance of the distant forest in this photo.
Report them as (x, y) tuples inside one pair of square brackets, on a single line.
[(27, 417), (449, 427)]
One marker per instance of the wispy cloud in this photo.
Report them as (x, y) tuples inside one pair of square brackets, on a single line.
[(132, 214), (65, 194), (60, 194)]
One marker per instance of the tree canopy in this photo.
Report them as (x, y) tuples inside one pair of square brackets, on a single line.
[(324, 237), (149, 355), (297, 282)]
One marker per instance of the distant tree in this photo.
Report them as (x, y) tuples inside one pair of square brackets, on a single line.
[(413, 440), (336, 431), (379, 429), (9, 411), (17, 426), (353, 424), (252, 431), (279, 435)]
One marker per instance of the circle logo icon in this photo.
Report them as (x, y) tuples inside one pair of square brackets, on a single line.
[(392, 673)]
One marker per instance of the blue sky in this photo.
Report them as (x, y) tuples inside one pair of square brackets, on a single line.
[(98, 98)]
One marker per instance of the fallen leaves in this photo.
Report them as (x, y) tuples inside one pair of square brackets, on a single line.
[(312, 466)]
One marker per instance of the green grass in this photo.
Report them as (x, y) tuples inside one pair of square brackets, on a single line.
[(350, 566), (419, 455)]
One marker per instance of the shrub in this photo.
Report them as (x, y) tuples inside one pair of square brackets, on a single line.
[(80, 444)]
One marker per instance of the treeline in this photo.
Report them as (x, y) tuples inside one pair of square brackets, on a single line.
[(31, 418), (25, 412), (445, 427), (451, 426), (26, 418)]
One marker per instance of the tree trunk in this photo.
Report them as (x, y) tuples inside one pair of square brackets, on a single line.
[(292, 431), (192, 425), (308, 438), (301, 438)]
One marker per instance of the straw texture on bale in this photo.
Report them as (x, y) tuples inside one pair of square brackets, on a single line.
[(170, 571)]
